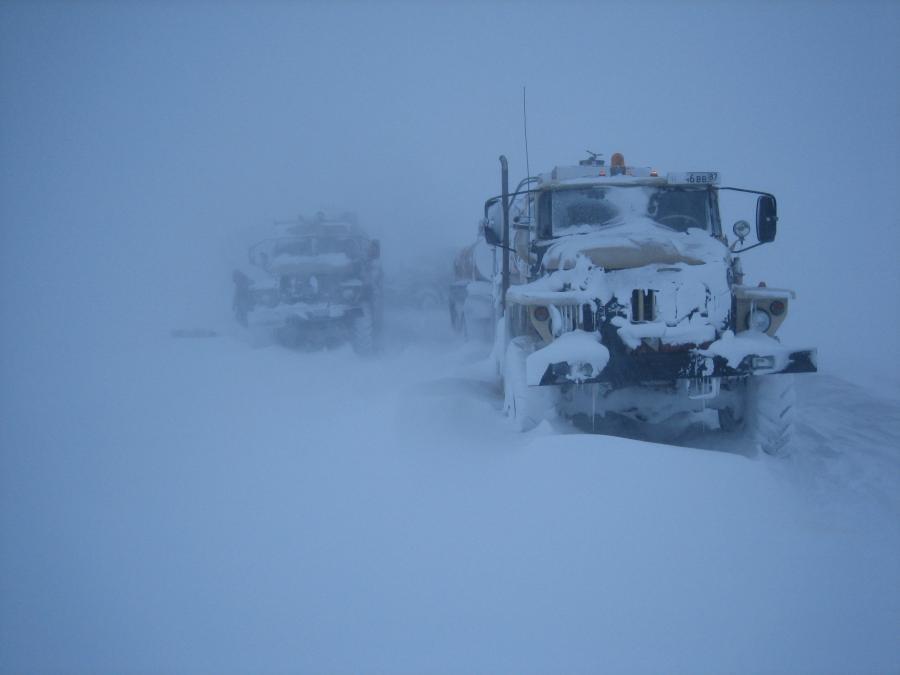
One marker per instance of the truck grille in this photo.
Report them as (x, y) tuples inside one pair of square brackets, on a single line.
[(307, 288), (643, 305), (569, 317), (573, 317)]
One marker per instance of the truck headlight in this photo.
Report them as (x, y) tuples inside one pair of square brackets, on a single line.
[(268, 298), (762, 362), (350, 293), (759, 319)]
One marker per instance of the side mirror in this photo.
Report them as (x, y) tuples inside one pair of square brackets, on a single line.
[(490, 236), (766, 219), (374, 249)]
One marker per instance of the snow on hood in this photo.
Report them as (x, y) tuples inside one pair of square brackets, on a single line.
[(635, 242), (585, 281), (692, 300), (576, 285)]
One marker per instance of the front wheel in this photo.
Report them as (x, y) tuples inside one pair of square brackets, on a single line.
[(770, 407), (730, 420), (455, 318), (241, 304), (363, 332)]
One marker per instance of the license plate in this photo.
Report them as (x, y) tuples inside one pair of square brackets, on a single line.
[(701, 177)]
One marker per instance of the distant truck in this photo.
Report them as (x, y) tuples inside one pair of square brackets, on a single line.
[(471, 291), (617, 277), (314, 283)]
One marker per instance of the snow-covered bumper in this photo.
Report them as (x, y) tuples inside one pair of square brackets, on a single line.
[(300, 312), (732, 356)]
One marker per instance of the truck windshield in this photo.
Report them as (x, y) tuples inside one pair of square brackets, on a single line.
[(293, 247), (306, 246), (584, 209)]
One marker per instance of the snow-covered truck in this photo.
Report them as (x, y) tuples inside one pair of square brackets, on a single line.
[(624, 279), (315, 283)]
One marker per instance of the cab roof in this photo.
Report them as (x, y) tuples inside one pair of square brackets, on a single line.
[(595, 171)]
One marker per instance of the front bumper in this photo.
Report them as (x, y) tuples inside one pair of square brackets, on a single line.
[(300, 312), (635, 368)]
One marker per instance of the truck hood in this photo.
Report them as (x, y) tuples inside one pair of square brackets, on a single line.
[(634, 243), (683, 276)]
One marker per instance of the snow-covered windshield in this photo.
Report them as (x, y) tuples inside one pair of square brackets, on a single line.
[(584, 209), (333, 245), (293, 247), (306, 246)]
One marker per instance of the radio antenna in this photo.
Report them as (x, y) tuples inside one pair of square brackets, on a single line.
[(525, 128)]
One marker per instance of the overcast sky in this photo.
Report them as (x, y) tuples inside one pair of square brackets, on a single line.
[(137, 138)]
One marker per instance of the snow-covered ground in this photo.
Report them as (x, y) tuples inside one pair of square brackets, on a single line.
[(199, 505)]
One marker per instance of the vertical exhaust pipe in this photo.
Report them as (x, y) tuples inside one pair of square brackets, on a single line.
[(504, 180)]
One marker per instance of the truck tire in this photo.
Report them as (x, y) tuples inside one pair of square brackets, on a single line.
[(240, 309), (363, 332), (730, 420), (526, 406), (289, 334), (241, 302), (454, 319), (769, 412)]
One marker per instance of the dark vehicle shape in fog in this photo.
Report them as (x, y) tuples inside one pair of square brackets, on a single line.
[(313, 284)]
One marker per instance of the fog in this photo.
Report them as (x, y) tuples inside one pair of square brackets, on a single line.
[(139, 137), (138, 141)]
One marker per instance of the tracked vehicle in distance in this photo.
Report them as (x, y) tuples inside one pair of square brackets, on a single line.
[(315, 283), (621, 294)]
